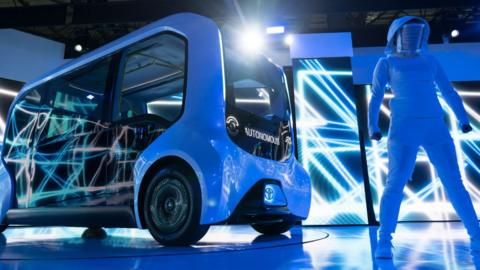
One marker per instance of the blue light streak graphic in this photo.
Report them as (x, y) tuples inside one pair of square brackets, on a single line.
[(61, 159), (328, 142)]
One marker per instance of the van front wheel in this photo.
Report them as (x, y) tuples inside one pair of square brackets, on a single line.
[(172, 208)]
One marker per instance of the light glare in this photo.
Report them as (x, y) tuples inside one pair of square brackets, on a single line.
[(252, 41), (289, 40)]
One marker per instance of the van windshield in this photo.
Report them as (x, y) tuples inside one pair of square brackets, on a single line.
[(256, 86), (258, 108)]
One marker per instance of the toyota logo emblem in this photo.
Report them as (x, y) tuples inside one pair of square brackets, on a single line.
[(269, 194)]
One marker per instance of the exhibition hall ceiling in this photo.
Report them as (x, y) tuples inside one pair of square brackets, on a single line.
[(95, 22)]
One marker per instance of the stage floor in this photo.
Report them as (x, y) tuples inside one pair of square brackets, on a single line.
[(417, 246)]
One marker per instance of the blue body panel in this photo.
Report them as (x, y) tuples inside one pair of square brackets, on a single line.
[(199, 137), (5, 190)]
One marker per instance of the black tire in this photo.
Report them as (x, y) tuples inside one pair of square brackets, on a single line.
[(273, 228), (3, 227), (94, 233), (172, 208)]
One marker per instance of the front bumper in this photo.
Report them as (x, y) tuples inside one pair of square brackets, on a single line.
[(257, 206), (240, 173)]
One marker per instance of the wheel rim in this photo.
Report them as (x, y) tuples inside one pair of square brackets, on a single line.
[(170, 205)]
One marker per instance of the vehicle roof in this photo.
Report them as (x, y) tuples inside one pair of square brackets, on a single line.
[(164, 24), (111, 47)]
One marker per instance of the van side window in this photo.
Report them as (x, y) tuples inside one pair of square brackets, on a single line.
[(153, 78), (81, 91), (23, 117)]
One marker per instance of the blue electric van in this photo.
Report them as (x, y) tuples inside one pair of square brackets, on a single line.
[(163, 129)]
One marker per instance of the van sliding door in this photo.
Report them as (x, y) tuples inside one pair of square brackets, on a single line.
[(149, 98)]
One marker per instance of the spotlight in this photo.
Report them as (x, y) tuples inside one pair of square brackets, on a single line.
[(252, 41), (78, 48), (288, 40), (455, 33), (275, 30)]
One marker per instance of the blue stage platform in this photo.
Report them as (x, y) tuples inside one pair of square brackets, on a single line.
[(417, 246)]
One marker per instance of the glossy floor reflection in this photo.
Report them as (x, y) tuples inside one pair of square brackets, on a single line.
[(418, 246)]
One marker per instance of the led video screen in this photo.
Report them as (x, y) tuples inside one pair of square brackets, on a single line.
[(328, 140), (424, 196)]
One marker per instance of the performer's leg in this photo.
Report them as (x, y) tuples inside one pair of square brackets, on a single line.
[(443, 157), (401, 162)]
